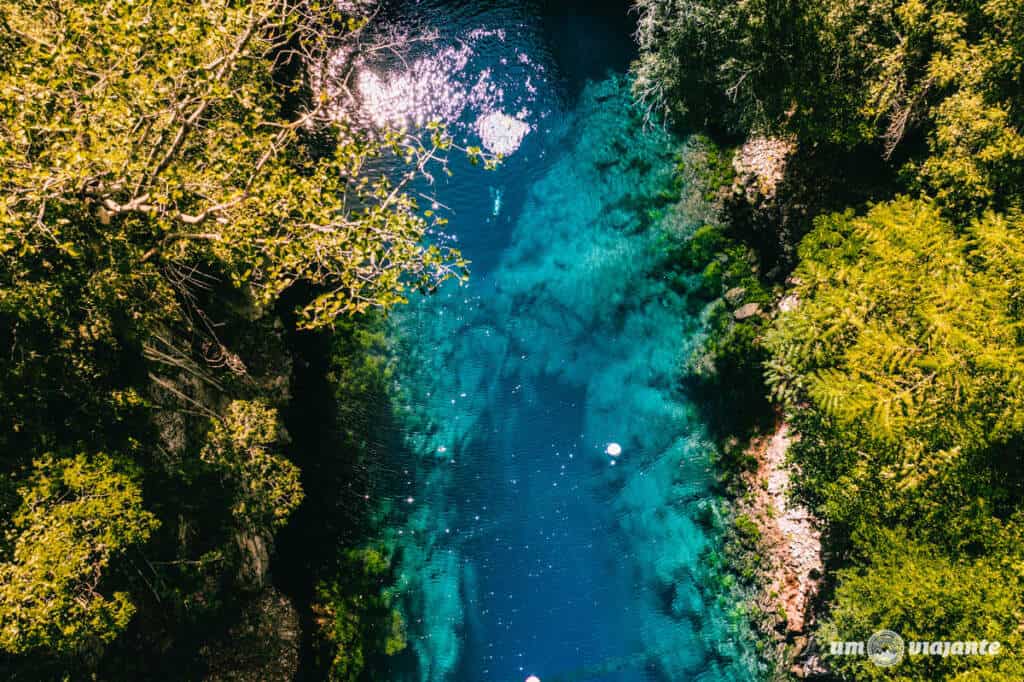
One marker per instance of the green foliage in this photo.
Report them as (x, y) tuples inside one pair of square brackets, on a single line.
[(907, 336), (77, 515), (356, 613), (339, 438), (849, 73), (911, 589), (747, 530), (361, 367), (713, 170), (725, 370), (267, 487), (970, 82), (139, 136), (899, 361), (901, 368), (718, 169), (721, 63), (703, 246), (172, 173)]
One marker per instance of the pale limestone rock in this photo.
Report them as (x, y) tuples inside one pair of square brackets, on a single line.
[(760, 166), (747, 311), (735, 295)]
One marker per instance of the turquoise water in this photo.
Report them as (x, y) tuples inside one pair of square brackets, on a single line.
[(558, 498)]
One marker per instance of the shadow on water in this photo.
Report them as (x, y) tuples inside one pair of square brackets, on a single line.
[(342, 436), (589, 39)]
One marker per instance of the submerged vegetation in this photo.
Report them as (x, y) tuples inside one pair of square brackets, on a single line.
[(572, 342), (898, 358)]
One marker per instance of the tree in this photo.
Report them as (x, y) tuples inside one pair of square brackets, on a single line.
[(357, 616), (719, 63), (906, 343), (924, 596), (265, 486), (77, 515), (899, 360), (152, 138), (158, 158), (853, 73), (168, 172)]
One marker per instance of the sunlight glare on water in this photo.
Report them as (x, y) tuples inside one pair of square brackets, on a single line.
[(443, 83)]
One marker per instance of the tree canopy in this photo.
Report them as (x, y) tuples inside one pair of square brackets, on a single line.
[(907, 342), (144, 137), (849, 73), (170, 172), (76, 516)]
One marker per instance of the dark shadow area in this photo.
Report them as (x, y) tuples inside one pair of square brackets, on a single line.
[(339, 424), (589, 39)]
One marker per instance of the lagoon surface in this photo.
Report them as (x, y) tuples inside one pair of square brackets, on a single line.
[(556, 510)]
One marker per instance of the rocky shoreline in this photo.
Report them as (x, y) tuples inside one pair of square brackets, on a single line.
[(791, 553), (783, 534)]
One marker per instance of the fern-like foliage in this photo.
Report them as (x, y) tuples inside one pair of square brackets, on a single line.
[(908, 339)]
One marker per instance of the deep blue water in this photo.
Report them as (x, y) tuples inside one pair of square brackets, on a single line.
[(525, 548)]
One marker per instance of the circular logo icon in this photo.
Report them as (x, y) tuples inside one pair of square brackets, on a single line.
[(885, 648)]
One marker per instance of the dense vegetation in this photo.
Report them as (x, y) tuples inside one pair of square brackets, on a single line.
[(179, 185), (900, 362), (182, 188)]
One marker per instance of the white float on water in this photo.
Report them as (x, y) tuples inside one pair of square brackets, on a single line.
[(532, 678), (500, 133), (613, 449)]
